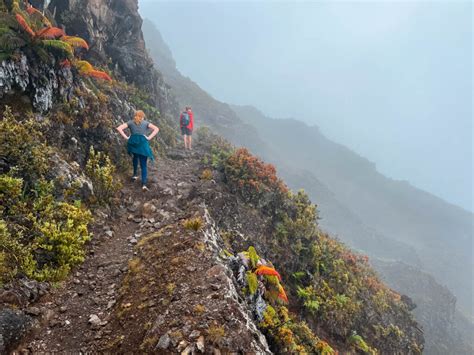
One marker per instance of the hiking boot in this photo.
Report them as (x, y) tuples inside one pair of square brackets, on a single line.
[(144, 188)]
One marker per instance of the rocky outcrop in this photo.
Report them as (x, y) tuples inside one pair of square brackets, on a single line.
[(436, 307), (113, 30), (42, 83)]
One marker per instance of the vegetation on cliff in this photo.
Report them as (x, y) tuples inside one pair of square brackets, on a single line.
[(334, 290)]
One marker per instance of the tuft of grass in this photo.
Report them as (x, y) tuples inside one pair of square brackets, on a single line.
[(207, 175), (200, 246), (194, 224), (216, 334), (170, 288), (135, 265), (199, 309)]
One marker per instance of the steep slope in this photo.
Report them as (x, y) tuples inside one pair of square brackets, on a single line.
[(223, 120), (59, 162), (393, 208), (306, 159), (444, 333), (114, 30), (141, 284)]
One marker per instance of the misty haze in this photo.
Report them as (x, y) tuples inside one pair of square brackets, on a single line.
[(390, 80), (236, 177)]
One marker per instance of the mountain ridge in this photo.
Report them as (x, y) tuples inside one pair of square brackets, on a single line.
[(87, 255), (355, 231)]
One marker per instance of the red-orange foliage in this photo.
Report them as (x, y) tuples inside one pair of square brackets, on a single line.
[(99, 75), (24, 25), (282, 294), (75, 41), (31, 10), (354, 259), (35, 13), (249, 171), (50, 32), (266, 270)]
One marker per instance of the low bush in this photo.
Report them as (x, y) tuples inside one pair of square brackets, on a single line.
[(22, 149), (100, 170), (40, 237)]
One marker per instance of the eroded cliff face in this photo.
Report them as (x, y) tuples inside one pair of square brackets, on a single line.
[(113, 30), (40, 84)]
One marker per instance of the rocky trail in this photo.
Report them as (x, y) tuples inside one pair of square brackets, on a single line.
[(150, 283), (72, 315)]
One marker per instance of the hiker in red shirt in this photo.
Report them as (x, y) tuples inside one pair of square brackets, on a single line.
[(186, 123)]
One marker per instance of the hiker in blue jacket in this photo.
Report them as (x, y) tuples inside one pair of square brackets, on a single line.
[(137, 143)]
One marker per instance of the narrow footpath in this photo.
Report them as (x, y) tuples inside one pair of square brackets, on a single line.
[(72, 317)]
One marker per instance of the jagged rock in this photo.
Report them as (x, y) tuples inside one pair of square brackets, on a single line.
[(183, 344), (34, 311), (42, 83), (23, 292), (134, 207), (164, 342), (194, 334), (168, 191), (200, 344), (109, 234), (177, 155), (189, 350), (70, 177), (148, 209), (13, 326), (94, 320), (99, 22)]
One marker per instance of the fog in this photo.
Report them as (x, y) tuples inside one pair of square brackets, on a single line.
[(391, 80)]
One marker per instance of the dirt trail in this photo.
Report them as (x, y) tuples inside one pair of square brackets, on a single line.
[(71, 317)]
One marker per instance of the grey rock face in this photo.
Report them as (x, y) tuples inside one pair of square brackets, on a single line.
[(114, 29), (41, 82)]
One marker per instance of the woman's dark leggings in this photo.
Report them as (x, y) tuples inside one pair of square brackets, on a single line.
[(143, 161)]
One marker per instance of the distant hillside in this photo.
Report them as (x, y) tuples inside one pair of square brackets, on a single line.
[(440, 233), (384, 218)]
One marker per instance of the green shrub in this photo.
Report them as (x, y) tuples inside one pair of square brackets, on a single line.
[(359, 344), (61, 230), (287, 335), (22, 149), (252, 282), (100, 170), (40, 237), (14, 257)]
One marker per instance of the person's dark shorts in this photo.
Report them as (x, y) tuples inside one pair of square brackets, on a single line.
[(186, 131)]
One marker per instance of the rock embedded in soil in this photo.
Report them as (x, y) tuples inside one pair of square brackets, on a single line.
[(164, 342), (34, 311), (148, 210), (200, 344)]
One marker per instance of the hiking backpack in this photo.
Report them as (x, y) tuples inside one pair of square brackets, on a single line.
[(185, 119)]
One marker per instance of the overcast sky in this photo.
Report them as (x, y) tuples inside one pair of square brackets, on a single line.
[(390, 80)]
